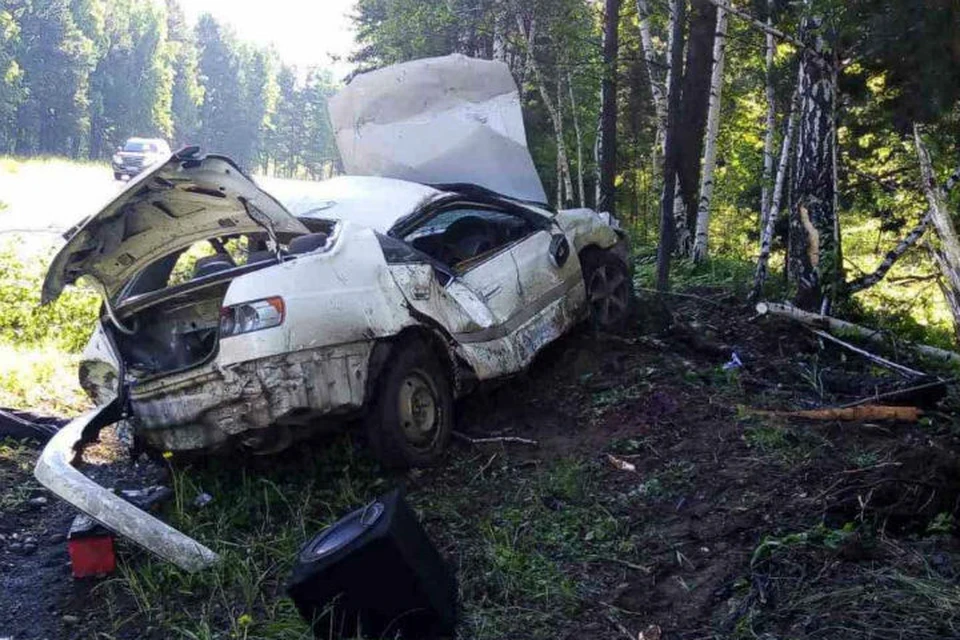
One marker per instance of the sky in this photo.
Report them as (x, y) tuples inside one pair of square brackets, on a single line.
[(304, 32)]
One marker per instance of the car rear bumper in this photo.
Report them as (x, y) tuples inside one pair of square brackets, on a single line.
[(55, 471), (203, 408)]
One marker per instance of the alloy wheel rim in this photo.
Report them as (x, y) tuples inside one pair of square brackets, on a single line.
[(608, 295)]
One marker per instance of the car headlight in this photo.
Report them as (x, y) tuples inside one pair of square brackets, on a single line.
[(117, 159), (251, 316)]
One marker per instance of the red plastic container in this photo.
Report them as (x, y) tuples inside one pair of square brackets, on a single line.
[(91, 549)]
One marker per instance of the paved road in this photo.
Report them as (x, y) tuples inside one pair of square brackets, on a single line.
[(44, 199)]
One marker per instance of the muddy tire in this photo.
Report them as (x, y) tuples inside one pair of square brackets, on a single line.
[(609, 290), (411, 417)]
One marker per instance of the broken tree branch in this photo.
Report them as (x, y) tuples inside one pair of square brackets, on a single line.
[(883, 362), (897, 394), (501, 439), (842, 326), (759, 24), (870, 279)]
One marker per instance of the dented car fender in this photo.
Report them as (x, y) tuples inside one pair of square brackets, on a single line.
[(341, 296)]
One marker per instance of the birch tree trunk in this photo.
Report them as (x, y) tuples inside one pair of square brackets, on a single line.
[(697, 72), (576, 128), (563, 181), (813, 258), (768, 139), (701, 243), (766, 234), (946, 251), (651, 61), (555, 116)]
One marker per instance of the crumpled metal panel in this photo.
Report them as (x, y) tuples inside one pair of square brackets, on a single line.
[(437, 120), (204, 407), (55, 471)]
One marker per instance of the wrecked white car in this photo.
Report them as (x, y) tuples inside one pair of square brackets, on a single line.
[(237, 318)]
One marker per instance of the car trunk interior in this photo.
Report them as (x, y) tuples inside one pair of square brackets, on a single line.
[(173, 334), (170, 311)]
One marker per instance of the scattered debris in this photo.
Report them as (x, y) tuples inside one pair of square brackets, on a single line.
[(621, 464), (503, 439), (652, 632), (202, 500), (734, 363)]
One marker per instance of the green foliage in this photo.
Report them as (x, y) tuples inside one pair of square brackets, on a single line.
[(78, 77), (65, 324)]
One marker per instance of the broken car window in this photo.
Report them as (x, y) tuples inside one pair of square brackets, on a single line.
[(461, 237)]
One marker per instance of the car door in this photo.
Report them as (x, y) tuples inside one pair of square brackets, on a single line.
[(552, 290), (500, 297)]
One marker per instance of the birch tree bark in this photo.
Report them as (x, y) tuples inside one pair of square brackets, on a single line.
[(555, 116), (813, 267), (652, 63), (946, 251), (908, 241), (576, 129), (701, 242), (696, 72), (768, 140), (766, 234)]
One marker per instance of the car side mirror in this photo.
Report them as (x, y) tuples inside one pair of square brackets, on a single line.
[(559, 250)]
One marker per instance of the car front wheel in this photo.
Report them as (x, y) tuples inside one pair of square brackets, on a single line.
[(411, 418), (609, 289)]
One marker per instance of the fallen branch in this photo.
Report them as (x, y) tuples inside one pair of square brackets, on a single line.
[(502, 439), (861, 413), (676, 294), (870, 279), (899, 394), (842, 326), (883, 362)]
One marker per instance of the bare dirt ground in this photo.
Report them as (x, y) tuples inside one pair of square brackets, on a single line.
[(730, 523)]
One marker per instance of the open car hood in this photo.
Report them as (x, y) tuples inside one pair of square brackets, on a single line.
[(437, 121), (182, 200)]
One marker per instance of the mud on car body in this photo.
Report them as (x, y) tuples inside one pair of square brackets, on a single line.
[(234, 317)]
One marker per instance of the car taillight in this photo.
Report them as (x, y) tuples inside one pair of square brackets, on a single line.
[(251, 316)]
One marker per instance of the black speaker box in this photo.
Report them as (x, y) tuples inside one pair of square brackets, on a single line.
[(375, 573)]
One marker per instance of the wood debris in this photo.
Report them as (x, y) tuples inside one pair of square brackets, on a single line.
[(860, 413)]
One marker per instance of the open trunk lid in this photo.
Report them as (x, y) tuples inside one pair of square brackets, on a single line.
[(437, 121), (183, 200)]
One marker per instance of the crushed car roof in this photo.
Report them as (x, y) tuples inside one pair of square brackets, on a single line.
[(452, 119)]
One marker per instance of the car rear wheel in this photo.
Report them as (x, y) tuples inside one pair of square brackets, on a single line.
[(411, 418), (117, 175), (609, 289)]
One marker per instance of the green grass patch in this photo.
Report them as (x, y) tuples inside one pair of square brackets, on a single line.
[(523, 540), (784, 444), (65, 324), (16, 460)]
